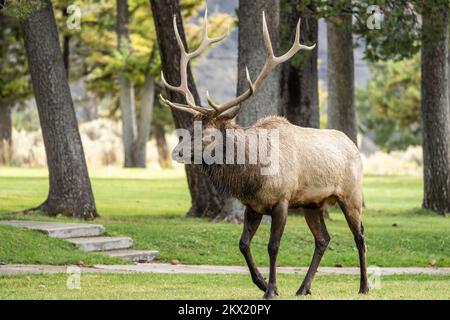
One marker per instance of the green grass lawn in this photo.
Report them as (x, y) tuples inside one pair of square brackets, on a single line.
[(150, 207), (157, 286)]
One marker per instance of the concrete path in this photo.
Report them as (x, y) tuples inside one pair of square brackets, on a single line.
[(203, 269)]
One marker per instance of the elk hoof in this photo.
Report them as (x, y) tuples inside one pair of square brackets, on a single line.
[(303, 291)]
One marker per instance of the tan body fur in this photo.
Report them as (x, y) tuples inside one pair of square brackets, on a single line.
[(317, 167)]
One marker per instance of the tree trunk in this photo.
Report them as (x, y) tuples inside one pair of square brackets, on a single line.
[(5, 135), (232, 211), (164, 158), (5, 108), (341, 91), (66, 46), (126, 91), (145, 119), (252, 54), (206, 200), (299, 87), (435, 109), (300, 79), (70, 191)]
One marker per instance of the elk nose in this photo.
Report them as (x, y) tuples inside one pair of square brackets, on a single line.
[(180, 153)]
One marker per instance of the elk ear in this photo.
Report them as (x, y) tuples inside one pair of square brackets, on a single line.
[(230, 114)]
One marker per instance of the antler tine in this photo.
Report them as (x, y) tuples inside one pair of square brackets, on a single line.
[(198, 109), (266, 37), (206, 40), (296, 47), (249, 81), (168, 85), (211, 103), (177, 106), (177, 35)]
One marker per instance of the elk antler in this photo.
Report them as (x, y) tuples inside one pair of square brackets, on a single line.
[(217, 109), (271, 62), (183, 88)]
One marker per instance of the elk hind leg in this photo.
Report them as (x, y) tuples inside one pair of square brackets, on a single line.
[(353, 216), (316, 223)]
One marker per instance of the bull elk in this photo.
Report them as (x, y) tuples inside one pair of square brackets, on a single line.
[(317, 168)]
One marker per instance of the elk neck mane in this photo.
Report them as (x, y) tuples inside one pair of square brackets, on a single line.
[(242, 181)]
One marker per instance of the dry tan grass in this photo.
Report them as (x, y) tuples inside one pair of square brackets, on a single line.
[(408, 162), (101, 141)]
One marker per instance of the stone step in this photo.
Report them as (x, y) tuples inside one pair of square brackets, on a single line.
[(134, 255), (102, 243), (61, 230)]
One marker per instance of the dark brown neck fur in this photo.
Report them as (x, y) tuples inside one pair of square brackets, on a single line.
[(239, 180)]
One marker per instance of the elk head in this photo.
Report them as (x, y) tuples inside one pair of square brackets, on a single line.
[(217, 114)]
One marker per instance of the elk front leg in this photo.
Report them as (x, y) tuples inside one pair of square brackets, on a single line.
[(252, 220), (316, 223), (279, 215)]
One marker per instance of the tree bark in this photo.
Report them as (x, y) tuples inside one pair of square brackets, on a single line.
[(70, 191), (164, 159), (5, 107), (435, 107), (5, 134), (252, 54), (341, 91), (126, 91), (300, 78), (66, 47), (145, 119), (206, 200), (299, 87)]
